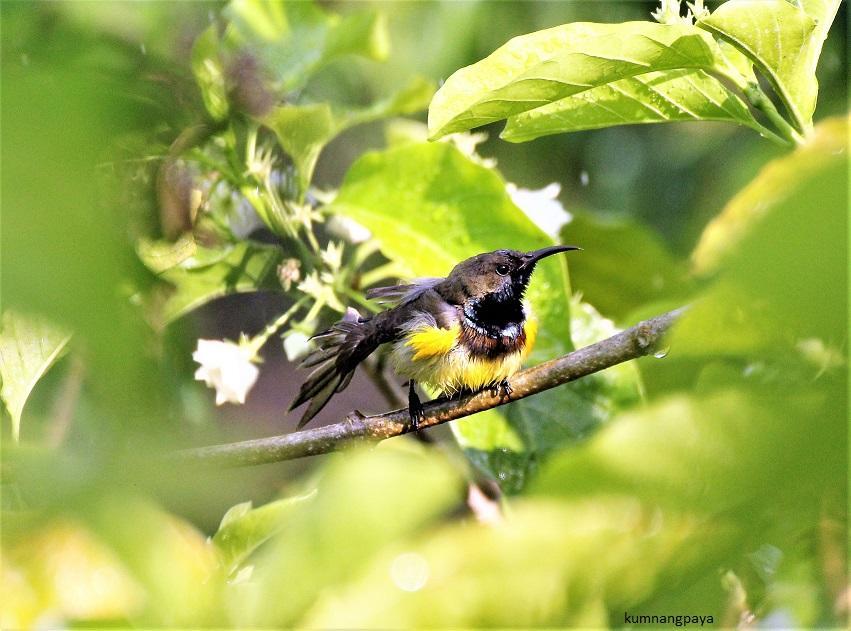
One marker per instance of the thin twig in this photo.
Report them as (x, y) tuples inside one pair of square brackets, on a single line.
[(637, 341)]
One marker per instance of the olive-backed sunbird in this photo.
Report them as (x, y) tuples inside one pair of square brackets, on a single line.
[(467, 332)]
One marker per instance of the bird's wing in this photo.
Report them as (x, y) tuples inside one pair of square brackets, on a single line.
[(398, 295)]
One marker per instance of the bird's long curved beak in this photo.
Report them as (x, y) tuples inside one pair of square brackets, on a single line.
[(530, 258)]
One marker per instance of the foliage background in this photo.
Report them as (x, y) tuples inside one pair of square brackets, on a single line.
[(716, 487)]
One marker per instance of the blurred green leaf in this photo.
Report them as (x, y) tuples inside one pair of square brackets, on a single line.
[(304, 130), (294, 39), (365, 501), (410, 99), (247, 267), (65, 249), (573, 564), (781, 39), (361, 33), (534, 70), (603, 280), (781, 241), (709, 454), (209, 73), (167, 556), (244, 528), (655, 97), (29, 346), (61, 567), (778, 180)]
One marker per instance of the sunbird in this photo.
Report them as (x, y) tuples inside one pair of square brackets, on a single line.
[(468, 332)]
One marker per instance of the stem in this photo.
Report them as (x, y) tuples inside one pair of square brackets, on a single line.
[(258, 341), (642, 339), (760, 101)]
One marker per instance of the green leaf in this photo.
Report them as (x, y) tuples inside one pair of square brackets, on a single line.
[(615, 289), (550, 565), (209, 74), (655, 97), (244, 529), (295, 39), (536, 69), (412, 98), (246, 267), (328, 540), (160, 255), (789, 227), (304, 130), (361, 33), (782, 41), (430, 207), (29, 346)]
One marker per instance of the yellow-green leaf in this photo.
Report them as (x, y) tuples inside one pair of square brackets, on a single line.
[(781, 39), (29, 346), (534, 70)]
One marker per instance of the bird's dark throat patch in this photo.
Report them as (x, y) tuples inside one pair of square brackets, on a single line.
[(493, 325)]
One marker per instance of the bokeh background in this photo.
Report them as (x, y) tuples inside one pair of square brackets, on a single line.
[(93, 94)]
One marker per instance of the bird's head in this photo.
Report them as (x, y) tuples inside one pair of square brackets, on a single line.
[(492, 284)]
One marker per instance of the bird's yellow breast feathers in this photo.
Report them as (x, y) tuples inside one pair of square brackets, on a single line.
[(436, 356)]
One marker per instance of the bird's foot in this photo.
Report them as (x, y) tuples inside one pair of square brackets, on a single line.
[(505, 389), (415, 408)]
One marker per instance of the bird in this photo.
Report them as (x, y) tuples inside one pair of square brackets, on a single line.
[(467, 332)]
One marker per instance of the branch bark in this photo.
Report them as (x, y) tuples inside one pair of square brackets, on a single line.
[(637, 341)]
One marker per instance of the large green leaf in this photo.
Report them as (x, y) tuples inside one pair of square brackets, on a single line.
[(28, 348), (655, 97), (534, 70), (246, 267), (294, 39), (784, 42)]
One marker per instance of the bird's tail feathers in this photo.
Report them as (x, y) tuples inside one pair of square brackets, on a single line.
[(339, 350)]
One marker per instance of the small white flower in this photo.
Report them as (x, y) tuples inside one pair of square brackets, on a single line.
[(696, 10), (669, 13), (541, 206), (348, 229), (228, 367), (305, 214), (319, 288), (332, 255)]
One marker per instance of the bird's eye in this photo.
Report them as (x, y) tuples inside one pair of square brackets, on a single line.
[(502, 270)]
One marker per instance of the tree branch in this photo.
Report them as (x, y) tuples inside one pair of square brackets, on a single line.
[(637, 341)]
